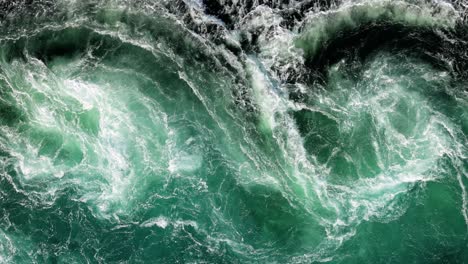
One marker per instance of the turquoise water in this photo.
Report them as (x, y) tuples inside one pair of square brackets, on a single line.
[(155, 132)]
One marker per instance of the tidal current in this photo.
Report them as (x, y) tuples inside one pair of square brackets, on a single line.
[(233, 131)]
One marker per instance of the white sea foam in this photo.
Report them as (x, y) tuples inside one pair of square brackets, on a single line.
[(161, 222)]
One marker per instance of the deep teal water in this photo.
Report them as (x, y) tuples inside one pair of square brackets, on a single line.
[(133, 133)]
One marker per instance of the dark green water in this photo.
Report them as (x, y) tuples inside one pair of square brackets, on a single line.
[(158, 132)]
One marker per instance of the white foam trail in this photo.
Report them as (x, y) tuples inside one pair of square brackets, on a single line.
[(163, 222)]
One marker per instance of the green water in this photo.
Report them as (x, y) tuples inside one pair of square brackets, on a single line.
[(126, 137)]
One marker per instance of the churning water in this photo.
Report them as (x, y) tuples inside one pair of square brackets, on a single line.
[(233, 131)]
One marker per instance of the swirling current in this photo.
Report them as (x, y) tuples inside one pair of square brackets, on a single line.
[(233, 131)]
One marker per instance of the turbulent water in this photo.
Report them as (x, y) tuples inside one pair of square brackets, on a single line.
[(233, 131)]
